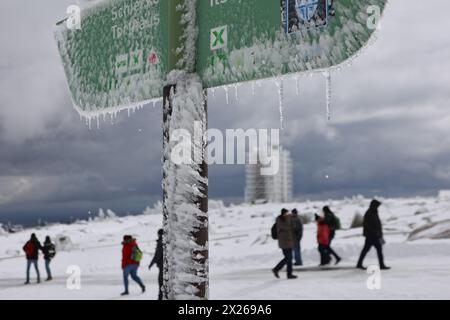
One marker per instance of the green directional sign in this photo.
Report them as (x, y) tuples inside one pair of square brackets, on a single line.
[(119, 57), (243, 40), (125, 48)]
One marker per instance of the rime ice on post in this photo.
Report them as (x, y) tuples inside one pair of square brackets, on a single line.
[(186, 268), (185, 185)]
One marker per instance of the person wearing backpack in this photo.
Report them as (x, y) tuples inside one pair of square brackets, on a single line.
[(131, 258), (158, 259), (285, 232), (334, 223), (31, 249), (299, 235), (49, 252), (323, 240)]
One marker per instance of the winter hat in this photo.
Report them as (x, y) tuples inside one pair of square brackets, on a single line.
[(294, 211), (284, 211), (160, 232)]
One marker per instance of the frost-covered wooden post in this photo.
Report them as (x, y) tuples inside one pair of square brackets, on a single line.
[(185, 185)]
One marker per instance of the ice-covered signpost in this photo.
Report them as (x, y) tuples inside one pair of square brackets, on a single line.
[(126, 54)]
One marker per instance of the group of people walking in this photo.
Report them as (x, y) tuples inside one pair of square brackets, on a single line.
[(31, 249), (131, 260), (288, 230)]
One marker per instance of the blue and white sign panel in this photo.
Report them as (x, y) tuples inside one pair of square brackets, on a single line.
[(305, 14)]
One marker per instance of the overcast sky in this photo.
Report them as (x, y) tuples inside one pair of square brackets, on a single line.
[(390, 133)]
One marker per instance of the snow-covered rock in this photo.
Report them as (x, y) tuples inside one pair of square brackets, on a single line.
[(111, 214), (436, 230), (2, 230), (63, 243), (108, 214), (215, 205), (357, 221), (157, 209), (444, 195)]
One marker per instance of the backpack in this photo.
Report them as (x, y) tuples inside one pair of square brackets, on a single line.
[(51, 251), (29, 249), (274, 231), (136, 254), (337, 223)]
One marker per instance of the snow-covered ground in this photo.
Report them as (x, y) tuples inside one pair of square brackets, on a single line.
[(242, 254)]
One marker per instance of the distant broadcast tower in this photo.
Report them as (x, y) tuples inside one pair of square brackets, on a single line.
[(277, 188)]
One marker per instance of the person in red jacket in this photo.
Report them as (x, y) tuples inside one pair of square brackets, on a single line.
[(129, 265), (323, 239), (31, 249)]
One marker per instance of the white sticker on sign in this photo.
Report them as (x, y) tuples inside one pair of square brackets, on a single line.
[(219, 38), (136, 60), (122, 64)]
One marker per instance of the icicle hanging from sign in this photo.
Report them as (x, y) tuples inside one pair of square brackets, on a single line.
[(297, 86), (227, 94), (327, 76), (280, 85)]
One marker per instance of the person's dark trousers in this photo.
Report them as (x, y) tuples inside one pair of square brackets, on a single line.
[(324, 255), (286, 261), (47, 268), (372, 242), (160, 282), (298, 254), (35, 263), (330, 250), (333, 253)]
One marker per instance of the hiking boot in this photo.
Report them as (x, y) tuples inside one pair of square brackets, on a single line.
[(339, 259), (39, 281), (298, 264), (49, 279), (361, 267), (124, 293), (291, 276), (275, 272), (27, 282), (143, 289), (385, 268)]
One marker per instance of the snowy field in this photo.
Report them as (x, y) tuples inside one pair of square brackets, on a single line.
[(417, 232)]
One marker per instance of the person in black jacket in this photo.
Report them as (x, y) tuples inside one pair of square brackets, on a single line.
[(158, 259), (31, 249), (298, 225), (373, 231), (49, 252)]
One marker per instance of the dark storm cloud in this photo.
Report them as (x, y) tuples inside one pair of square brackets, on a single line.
[(390, 131)]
